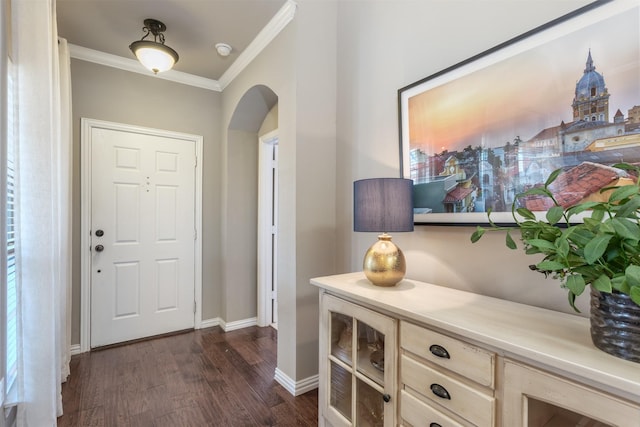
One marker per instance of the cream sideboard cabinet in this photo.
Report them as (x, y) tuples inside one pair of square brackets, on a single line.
[(423, 355)]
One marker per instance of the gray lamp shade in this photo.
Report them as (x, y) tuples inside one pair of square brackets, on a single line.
[(383, 205)]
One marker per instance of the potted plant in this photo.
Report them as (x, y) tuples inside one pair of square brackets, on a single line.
[(595, 243)]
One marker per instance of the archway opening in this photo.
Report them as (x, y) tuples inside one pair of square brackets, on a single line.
[(251, 224)]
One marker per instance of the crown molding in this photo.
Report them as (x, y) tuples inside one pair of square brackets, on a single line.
[(264, 37), (115, 61)]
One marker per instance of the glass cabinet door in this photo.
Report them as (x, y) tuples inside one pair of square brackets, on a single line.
[(340, 390), (370, 361), (342, 337), (358, 364), (369, 405)]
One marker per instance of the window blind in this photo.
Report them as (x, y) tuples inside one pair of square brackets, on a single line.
[(12, 278)]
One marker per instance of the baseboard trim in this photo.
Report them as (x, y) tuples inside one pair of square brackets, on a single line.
[(238, 324), (296, 388), (228, 326), (74, 349), (209, 323)]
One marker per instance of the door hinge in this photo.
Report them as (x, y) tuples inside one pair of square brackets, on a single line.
[(195, 234), (196, 162), (194, 307)]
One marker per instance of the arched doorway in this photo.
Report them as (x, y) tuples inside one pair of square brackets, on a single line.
[(250, 221)]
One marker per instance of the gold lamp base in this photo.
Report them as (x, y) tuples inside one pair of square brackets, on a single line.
[(384, 263)]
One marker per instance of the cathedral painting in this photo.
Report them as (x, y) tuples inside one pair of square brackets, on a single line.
[(478, 133)]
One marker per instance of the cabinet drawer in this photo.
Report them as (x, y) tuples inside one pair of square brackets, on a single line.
[(419, 414), (467, 402), (457, 356)]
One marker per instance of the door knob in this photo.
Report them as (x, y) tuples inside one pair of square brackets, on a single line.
[(99, 248), (99, 233)]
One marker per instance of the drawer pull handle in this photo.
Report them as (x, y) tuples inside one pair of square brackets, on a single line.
[(386, 398), (439, 351), (440, 391), (434, 425)]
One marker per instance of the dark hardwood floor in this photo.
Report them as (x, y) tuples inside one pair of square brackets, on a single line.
[(199, 378)]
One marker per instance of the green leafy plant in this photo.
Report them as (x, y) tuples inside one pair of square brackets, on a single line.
[(601, 250)]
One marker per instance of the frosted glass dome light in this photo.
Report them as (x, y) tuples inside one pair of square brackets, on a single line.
[(154, 55)]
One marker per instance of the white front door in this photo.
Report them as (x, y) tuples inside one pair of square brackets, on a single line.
[(142, 235)]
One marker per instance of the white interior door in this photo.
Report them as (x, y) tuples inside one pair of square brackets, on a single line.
[(268, 231), (142, 235), (274, 240)]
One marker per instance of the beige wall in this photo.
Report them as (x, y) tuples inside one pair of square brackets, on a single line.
[(387, 45), (270, 122), (240, 248), (299, 66), (316, 103), (109, 94)]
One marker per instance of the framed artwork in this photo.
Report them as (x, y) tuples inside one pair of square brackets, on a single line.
[(564, 95)]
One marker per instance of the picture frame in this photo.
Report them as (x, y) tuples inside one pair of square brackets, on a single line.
[(565, 94)]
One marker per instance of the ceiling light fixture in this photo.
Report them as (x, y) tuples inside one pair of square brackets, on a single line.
[(154, 55)]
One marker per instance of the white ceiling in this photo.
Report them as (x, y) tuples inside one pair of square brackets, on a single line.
[(193, 27)]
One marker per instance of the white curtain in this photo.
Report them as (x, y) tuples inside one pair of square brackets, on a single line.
[(44, 192)]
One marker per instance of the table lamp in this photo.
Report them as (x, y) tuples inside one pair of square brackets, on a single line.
[(383, 205)]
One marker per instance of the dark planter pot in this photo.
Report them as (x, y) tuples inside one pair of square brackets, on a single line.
[(615, 324)]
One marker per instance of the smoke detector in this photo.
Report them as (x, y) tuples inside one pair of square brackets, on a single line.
[(223, 49)]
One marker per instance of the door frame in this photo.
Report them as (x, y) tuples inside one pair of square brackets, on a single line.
[(86, 127), (267, 271)]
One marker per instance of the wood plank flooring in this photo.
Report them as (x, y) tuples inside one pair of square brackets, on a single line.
[(199, 378)]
